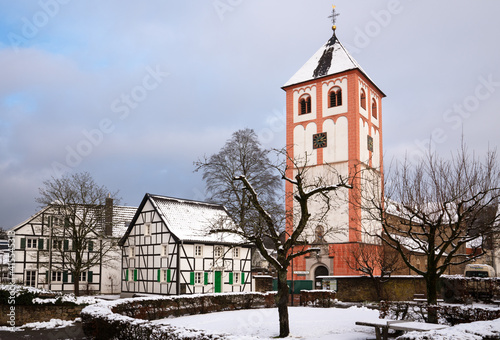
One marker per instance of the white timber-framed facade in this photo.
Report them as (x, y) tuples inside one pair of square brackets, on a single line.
[(39, 242), (167, 250)]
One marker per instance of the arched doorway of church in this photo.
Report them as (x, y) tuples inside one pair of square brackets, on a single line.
[(319, 271)]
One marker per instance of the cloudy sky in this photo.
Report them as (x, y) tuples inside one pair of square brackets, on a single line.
[(135, 91)]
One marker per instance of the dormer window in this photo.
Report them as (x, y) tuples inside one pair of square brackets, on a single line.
[(363, 99), (335, 97), (305, 104), (374, 108)]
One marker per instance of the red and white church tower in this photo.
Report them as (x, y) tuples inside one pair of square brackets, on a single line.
[(334, 120)]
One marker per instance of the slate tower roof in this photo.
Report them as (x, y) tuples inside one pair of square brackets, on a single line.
[(332, 58)]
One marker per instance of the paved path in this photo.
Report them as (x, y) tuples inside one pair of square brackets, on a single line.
[(71, 333)]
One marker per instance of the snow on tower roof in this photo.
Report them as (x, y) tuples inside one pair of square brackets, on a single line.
[(331, 58)]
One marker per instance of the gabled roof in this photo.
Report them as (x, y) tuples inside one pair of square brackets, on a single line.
[(332, 58), (122, 215), (189, 220)]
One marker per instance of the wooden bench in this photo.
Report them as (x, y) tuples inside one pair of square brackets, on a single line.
[(382, 326), (421, 298)]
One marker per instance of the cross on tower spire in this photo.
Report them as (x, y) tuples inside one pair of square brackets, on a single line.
[(333, 16)]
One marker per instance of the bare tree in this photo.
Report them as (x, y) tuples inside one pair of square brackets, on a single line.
[(375, 261), (242, 155), (435, 208), (265, 222), (78, 240)]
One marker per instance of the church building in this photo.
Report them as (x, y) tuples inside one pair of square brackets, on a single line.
[(334, 125)]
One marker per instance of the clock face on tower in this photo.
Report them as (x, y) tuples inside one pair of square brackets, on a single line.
[(319, 140), (370, 143)]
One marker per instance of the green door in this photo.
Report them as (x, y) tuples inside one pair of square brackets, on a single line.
[(218, 282)]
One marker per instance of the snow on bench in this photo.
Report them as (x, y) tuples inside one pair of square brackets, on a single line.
[(382, 326)]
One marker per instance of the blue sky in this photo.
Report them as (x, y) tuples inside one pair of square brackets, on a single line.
[(134, 92)]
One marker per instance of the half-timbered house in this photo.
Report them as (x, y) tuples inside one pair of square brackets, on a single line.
[(39, 243), (167, 250)]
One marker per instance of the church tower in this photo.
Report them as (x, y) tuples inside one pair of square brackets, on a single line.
[(334, 122)]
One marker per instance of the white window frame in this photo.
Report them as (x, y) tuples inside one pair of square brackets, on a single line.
[(196, 248), (83, 277), (31, 243), (218, 251), (147, 229), (56, 276), (198, 278), (236, 278), (164, 276), (131, 274), (26, 277), (236, 252), (131, 252), (164, 250)]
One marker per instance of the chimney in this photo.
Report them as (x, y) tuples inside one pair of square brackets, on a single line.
[(108, 216)]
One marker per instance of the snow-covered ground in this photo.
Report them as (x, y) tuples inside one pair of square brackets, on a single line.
[(317, 323), (52, 324), (305, 323)]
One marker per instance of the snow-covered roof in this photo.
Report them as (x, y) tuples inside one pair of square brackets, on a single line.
[(122, 216), (433, 212), (413, 244), (192, 220), (331, 58)]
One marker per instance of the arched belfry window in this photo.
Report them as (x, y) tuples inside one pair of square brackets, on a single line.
[(305, 104), (335, 97), (362, 99), (374, 108)]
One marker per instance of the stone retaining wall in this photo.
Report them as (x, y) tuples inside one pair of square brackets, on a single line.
[(396, 288), (11, 315)]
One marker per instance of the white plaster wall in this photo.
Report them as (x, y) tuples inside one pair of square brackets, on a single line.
[(337, 149), (371, 184), (376, 148), (303, 147), (336, 222), (364, 154)]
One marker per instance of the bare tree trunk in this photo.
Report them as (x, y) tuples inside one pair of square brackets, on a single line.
[(431, 281), (282, 303), (76, 284)]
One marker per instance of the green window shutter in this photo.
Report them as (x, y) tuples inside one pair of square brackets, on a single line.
[(191, 278), (90, 276), (242, 277), (159, 275), (40, 244), (91, 245), (23, 243), (65, 277), (126, 274), (168, 275), (66, 244), (135, 274), (231, 278), (206, 279)]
